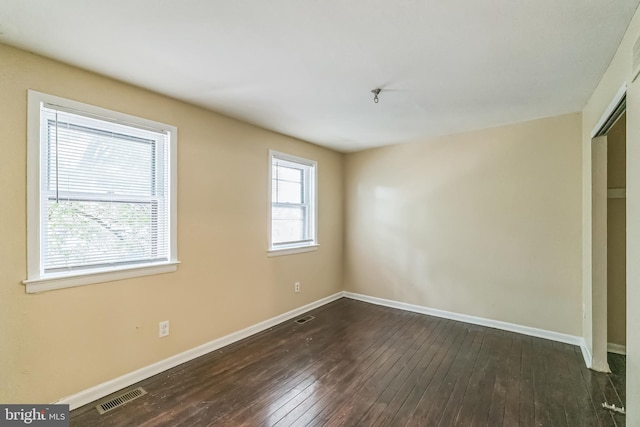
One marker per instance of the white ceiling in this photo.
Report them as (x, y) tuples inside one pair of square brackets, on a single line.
[(305, 68)]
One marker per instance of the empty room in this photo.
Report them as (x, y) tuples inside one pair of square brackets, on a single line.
[(320, 213)]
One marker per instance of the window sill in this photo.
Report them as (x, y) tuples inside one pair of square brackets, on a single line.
[(291, 251), (105, 275)]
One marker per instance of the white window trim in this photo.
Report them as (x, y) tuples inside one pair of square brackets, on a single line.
[(299, 248), (36, 281), (291, 251)]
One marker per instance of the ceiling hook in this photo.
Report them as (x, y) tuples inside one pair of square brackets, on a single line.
[(376, 92)]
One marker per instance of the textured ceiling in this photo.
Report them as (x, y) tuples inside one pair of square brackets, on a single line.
[(306, 68)]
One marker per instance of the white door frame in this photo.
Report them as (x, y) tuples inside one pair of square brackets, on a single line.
[(599, 254), (596, 329)]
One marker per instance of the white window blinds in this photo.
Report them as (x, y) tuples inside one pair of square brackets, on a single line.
[(104, 192)]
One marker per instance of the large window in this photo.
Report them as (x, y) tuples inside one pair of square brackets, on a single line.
[(101, 195), (293, 203)]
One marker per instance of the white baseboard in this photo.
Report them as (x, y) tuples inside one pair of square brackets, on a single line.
[(101, 390), (586, 355), (617, 349), (512, 327)]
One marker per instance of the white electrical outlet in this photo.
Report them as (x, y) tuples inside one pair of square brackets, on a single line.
[(163, 328), (296, 287)]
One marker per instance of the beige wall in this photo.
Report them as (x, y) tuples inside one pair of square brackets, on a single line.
[(485, 223), (618, 73), (616, 235), (58, 343)]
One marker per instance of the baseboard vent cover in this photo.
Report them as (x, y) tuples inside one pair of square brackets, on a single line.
[(118, 401), (304, 319)]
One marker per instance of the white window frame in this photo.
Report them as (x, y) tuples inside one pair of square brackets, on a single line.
[(37, 280), (311, 191)]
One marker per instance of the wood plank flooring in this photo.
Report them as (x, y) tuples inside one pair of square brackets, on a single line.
[(358, 364)]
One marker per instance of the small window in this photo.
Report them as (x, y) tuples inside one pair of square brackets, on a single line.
[(293, 203), (101, 195)]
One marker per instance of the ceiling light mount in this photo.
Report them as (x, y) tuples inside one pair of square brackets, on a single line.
[(376, 92)]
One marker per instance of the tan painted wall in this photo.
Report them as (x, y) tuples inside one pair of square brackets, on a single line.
[(58, 343), (484, 223), (618, 72), (616, 235)]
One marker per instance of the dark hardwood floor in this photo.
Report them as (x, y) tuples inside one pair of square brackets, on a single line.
[(358, 364)]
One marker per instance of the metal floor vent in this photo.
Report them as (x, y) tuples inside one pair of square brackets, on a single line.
[(118, 401), (304, 319)]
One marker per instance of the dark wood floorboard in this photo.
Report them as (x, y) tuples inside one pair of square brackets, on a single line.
[(511, 416), (499, 368), (368, 393), (527, 397), (425, 365), (593, 383), (391, 393), (358, 364), (618, 365), (425, 376), (348, 381), (423, 391), (287, 395), (445, 408)]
